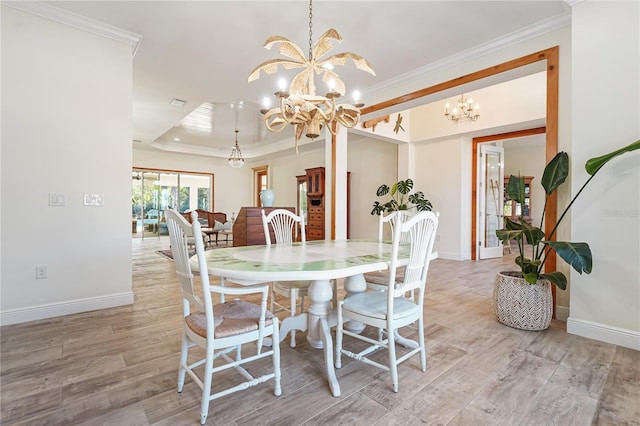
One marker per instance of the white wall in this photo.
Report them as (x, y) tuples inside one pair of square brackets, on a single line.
[(66, 97), (371, 163), (442, 169), (520, 102), (606, 114)]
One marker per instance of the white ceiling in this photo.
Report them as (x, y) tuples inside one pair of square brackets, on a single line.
[(203, 51)]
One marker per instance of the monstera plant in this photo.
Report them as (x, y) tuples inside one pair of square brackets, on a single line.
[(576, 254), (401, 198)]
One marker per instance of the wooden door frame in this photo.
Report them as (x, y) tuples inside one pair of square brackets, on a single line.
[(474, 174), (258, 172), (551, 56)]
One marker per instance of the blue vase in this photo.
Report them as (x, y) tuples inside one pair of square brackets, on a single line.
[(266, 197)]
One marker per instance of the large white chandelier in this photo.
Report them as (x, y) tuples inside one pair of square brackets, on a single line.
[(300, 106), (464, 111)]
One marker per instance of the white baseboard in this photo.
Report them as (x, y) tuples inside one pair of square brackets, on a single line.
[(562, 313), (450, 255), (32, 313), (604, 333)]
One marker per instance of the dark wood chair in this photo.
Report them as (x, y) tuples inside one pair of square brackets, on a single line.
[(208, 221)]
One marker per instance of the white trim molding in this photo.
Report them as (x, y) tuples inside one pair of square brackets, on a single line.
[(75, 20), (604, 333), (50, 310)]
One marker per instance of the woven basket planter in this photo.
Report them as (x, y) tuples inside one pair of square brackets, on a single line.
[(521, 305)]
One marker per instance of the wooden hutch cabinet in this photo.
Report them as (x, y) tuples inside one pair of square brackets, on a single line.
[(313, 182), (512, 209), (315, 203)]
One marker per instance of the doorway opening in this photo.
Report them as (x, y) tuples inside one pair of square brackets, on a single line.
[(153, 191), (476, 143)]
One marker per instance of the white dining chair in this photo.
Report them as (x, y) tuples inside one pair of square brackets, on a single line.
[(378, 280), (222, 328), (391, 310), (284, 225)]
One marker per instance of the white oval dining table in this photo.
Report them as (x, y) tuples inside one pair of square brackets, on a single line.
[(315, 261)]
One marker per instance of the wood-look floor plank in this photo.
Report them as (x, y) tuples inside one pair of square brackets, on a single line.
[(620, 400), (555, 405), (355, 409), (444, 397)]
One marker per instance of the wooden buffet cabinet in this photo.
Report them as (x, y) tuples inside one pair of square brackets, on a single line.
[(247, 228)]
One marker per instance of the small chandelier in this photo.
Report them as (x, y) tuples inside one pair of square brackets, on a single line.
[(300, 106), (464, 110), (235, 159)]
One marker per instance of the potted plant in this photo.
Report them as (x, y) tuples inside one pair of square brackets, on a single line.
[(523, 298), (398, 191)]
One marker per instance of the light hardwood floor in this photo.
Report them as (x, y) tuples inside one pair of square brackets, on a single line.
[(119, 367)]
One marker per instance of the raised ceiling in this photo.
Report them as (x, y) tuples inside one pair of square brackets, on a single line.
[(203, 52)]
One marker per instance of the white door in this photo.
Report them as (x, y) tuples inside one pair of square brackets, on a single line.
[(491, 200)]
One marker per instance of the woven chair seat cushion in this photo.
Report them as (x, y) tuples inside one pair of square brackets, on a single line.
[(229, 319), (382, 277), (284, 287)]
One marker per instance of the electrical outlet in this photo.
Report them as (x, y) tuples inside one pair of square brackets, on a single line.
[(41, 272)]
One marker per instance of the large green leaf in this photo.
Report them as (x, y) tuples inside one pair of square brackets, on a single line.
[(556, 278), (555, 172), (382, 190), (377, 208), (510, 224), (594, 164), (403, 186), (533, 234), (527, 265), (420, 202), (578, 255), (515, 188), (505, 235), (394, 189)]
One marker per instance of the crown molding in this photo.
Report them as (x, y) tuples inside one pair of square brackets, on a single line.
[(75, 20), (476, 52)]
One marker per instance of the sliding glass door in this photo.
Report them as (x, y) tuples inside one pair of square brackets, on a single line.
[(153, 191)]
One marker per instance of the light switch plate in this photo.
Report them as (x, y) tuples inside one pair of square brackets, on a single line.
[(93, 200), (57, 200)]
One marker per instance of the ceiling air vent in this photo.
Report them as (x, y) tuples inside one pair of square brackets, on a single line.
[(178, 102)]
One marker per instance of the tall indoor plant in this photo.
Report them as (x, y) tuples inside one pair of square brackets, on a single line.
[(401, 198), (509, 296)]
